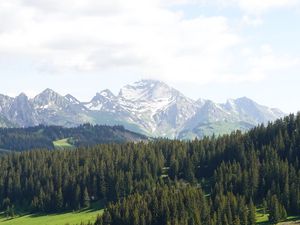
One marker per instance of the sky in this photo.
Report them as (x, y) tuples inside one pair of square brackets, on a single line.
[(211, 49)]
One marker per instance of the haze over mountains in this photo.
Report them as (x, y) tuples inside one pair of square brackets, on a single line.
[(148, 106)]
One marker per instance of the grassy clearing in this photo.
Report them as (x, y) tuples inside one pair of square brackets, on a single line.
[(261, 217), (71, 218), (62, 144)]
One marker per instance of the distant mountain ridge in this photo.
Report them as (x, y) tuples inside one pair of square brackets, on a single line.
[(147, 106)]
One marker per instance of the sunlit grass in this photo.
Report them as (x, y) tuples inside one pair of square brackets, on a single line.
[(55, 219), (62, 144)]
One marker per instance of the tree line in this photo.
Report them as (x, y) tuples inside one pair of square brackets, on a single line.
[(42, 137)]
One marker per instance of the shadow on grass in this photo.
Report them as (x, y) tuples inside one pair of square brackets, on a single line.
[(4, 218), (264, 223), (2, 214), (96, 206), (261, 217), (295, 219)]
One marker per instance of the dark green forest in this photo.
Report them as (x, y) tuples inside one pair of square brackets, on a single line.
[(42, 137), (180, 204), (212, 181)]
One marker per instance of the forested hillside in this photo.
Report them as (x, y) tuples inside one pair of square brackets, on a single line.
[(179, 205), (213, 181), (44, 137)]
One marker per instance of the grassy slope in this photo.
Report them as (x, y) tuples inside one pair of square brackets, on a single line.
[(71, 218), (220, 128), (62, 144), (109, 119), (216, 128)]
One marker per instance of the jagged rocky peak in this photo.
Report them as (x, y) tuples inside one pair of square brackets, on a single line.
[(5, 103), (148, 105), (49, 99), (244, 101), (230, 105), (22, 112), (4, 96), (104, 100), (4, 99), (72, 99), (46, 96), (146, 90), (106, 94), (200, 102), (20, 101), (48, 92), (209, 104), (246, 105), (212, 109), (22, 96)]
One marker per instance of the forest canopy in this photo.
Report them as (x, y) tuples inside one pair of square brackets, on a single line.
[(215, 181)]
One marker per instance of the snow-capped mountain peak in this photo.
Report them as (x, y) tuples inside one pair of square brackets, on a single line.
[(106, 94), (103, 101), (46, 96), (147, 106), (147, 90), (46, 99)]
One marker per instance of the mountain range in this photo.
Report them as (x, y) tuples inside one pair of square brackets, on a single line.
[(148, 106)]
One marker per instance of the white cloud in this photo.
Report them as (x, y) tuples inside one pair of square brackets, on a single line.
[(60, 36), (268, 62), (133, 36), (252, 7), (263, 63), (259, 6), (252, 21)]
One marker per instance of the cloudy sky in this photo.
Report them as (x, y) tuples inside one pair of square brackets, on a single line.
[(214, 49)]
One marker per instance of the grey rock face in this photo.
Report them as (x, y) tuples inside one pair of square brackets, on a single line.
[(147, 106), (22, 112)]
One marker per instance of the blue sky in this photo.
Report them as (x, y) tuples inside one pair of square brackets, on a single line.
[(215, 49)]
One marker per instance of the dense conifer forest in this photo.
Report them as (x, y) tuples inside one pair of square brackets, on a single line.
[(212, 181), (42, 137)]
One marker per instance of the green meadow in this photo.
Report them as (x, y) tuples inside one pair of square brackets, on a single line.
[(62, 144), (70, 218)]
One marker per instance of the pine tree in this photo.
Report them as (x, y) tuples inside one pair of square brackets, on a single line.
[(277, 211), (252, 214), (86, 198), (77, 198), (59, 201)]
